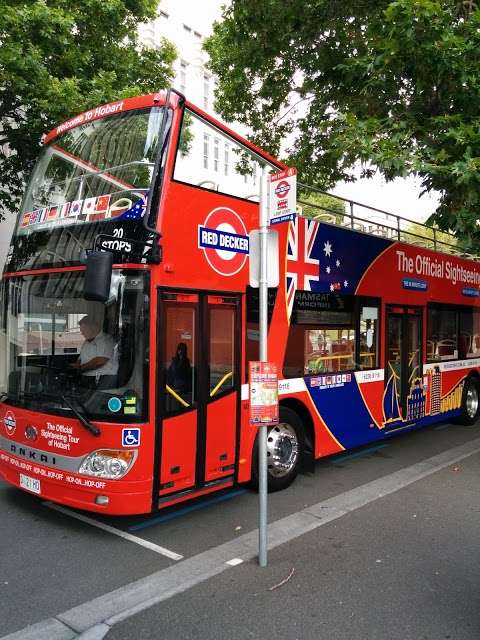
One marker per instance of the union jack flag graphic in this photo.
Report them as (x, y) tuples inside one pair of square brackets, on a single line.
[(302, 269)]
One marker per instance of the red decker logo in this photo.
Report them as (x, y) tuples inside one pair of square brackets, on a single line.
[(10, 423)]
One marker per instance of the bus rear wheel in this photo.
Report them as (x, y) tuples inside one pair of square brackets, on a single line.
[(470, 402), (285, 447)]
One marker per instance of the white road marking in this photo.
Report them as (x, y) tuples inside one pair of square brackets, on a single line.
[(234, 561), (116, 532)]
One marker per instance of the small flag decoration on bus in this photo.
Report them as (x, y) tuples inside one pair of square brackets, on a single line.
[(90, 209), (64, 209), (52, 213), (76, 208), (101, 209), (136, 212)]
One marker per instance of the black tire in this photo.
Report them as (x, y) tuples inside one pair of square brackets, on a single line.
[(470, 402), (285, 447)]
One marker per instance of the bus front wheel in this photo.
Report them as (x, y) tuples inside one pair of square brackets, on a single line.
[(470, 402), (285, 447)]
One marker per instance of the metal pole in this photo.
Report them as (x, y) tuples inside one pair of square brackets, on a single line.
[(263, 326)]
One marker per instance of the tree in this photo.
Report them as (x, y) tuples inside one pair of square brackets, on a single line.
[(59, 58), (321, 206), (393, 84)]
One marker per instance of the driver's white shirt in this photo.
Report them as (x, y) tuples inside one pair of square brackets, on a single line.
[(102, 346)]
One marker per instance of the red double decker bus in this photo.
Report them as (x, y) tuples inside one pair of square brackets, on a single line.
[(127, 322)]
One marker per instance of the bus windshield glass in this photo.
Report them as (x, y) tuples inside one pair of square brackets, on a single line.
[(98, 172), (94, 171), (61, 349)]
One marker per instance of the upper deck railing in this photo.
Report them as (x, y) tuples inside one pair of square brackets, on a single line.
[(381, 223)]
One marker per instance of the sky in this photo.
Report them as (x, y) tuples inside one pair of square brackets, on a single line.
[(400, 196)]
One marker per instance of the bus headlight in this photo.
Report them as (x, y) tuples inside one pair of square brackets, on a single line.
[(108, 463)]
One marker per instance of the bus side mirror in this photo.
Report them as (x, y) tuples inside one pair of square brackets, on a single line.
[(98, 276)]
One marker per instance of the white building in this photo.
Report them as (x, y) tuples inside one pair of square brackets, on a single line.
[(187, 23)]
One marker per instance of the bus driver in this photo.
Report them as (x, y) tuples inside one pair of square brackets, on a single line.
[(97, 360)]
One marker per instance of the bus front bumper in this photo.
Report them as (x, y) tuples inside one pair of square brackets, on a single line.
[(113, 497)]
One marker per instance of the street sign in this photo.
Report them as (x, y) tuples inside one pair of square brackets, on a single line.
[(263, 393), (283, 196), (272, 258)]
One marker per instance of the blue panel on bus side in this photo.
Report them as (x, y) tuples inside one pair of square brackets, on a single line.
[(343, 257), (343, 410)]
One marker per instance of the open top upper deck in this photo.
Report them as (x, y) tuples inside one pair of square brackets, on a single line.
[(366, 219)]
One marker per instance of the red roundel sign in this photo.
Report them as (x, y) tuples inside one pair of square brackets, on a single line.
[(10, 423), (282, 189), (224, 241)]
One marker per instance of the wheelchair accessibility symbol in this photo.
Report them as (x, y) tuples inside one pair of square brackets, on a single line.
[(131, 437)]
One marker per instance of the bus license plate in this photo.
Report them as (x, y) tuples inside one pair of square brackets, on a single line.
[(30, 484)]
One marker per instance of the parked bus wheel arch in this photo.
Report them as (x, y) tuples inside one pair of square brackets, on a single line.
[(470, 401), (285, 447)]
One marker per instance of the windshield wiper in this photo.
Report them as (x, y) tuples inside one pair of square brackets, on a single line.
[(86, 423), (68, 401)]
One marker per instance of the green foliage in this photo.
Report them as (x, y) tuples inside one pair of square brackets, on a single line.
[(321, 206), (186, 135), (59, 58), (391, 83), (440, 240)]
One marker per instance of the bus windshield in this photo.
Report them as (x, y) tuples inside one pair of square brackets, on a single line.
[(61, 349), (98, 172)]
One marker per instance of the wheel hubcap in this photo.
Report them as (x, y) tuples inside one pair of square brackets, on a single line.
[(472, 402), (282, 450)]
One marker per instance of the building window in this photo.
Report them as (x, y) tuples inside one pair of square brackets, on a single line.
[(183, 76), (163, 15), (187, 28), (226, 159), (216, 153), (206, 91), (197, 35), (206, 145)]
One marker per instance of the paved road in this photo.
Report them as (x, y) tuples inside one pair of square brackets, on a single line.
[(368, 561)]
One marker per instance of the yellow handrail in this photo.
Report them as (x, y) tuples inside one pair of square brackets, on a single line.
[(225, 377), (176, 396)]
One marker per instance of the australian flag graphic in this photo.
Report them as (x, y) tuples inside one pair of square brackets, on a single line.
[(326, 259), (135, 212), (343, 257)]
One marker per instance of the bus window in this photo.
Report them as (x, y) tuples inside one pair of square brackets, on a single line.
[(200, 148), (368, 356), (469, 338), (442, 343), (322, 335), (222, 357), (180, 357)]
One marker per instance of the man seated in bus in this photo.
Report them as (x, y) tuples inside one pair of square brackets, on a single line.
[(97, 361)]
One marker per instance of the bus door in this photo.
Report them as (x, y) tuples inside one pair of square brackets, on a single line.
[(200, 389), (403, 367)]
